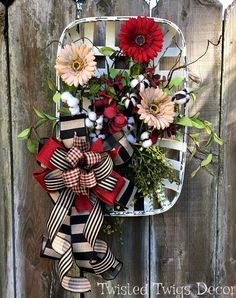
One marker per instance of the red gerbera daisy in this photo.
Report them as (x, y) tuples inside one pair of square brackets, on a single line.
[(141, 39)]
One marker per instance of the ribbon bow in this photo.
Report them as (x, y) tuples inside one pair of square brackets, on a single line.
[(82, 170), (81, 176), (73, 234)]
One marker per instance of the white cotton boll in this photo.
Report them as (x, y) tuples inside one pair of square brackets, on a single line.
[(131, 138), (130, 127), (93, 137), (141, 78), (65, 96), (72, 102), (99, 120), (134, 83), (99, 126), (92, 116), (127, 102), (102, 136), (74, 111), (147, 143), (141, 87), (88, 123), (130, 120), (145, 135)]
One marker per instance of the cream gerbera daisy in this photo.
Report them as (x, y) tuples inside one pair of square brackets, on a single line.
[(75, 64), (156, 108)]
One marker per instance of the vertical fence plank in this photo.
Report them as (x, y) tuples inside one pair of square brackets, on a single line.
[(227, 203), (134, 251), (6, 235), (32, 25), (183, 241)]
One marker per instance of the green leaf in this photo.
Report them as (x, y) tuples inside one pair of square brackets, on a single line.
[(52, 85), (194, 96), (197, 123), (111, 90), (50, 117), (167, 91), (123, 82), (24, 134), (106, 51), (72, 89), (217, 139), (206, 161), (39, 114), (208, 127), (94, 88), (135, 69), (196, 115), (121, 107), (40, 122), (185, 121), (179, 136), (64, 111), (175, 82), (193, 174), (57, 96), (195, 135), (193, 153), (210, 140), (195, 138), (55, 122), (31, 146), (113, 72), (126, 78)]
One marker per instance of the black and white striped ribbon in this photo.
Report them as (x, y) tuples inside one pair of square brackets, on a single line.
[(73, 235)]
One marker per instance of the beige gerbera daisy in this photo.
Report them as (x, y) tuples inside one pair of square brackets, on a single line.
[(156, 108), (75, 64)]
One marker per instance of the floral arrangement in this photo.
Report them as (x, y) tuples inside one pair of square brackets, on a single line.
[(117, 119)]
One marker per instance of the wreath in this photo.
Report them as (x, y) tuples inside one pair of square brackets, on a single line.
[(106, 154)]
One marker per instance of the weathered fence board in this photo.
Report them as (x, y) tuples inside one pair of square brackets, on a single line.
[(183, 239), (193, 242), (6, 233), (226, 254), (31, 27)]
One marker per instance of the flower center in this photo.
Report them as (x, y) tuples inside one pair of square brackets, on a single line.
[(77, 65), (154, 109), (140, 40)]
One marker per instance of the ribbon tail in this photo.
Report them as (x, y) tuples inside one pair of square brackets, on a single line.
[(47, 251), (106, 264), (73, 284), (94, 223), (59, 212)]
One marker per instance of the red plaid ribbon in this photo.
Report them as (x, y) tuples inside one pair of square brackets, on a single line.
[(81, 176)]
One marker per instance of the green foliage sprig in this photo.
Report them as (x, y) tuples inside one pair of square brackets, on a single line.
[(199, 147), (148, 168)]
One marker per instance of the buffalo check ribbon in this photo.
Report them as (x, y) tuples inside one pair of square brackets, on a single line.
[(72, 234)]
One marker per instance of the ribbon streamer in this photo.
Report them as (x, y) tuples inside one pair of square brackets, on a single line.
[(73, 234)]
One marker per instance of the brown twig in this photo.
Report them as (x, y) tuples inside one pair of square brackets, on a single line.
[(200, 57)]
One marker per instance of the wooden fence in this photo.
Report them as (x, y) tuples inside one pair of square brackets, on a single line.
[(196, 240)]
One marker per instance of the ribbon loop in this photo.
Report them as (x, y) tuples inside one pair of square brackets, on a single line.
[(74, 156)]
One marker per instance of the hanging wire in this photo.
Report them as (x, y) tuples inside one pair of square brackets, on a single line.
[(151, 4), (79, 7)]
